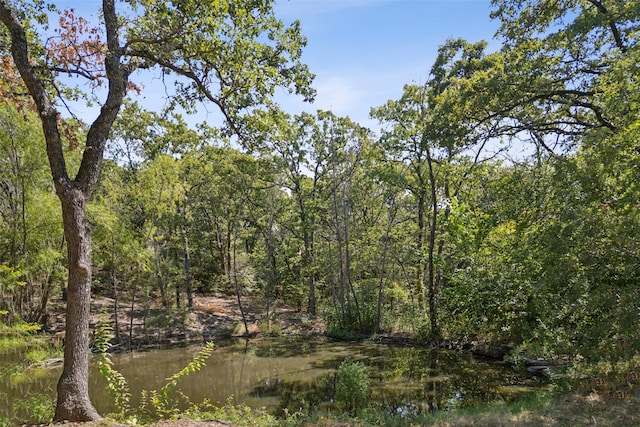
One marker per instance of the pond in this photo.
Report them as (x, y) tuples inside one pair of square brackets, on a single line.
[(291, 375)]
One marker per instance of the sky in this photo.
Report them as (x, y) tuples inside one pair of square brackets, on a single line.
[(362, 51)]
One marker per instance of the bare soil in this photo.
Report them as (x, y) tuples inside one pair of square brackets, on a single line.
[(213, 317)]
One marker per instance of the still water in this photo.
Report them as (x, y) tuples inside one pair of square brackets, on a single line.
[(293, 375)]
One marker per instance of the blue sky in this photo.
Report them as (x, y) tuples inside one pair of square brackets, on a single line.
[(362, 51)]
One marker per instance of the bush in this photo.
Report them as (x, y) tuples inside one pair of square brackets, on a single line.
[(352, 386)]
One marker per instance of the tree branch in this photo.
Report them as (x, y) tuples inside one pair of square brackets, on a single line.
[(204, 90), (117, 76), (612, 25)]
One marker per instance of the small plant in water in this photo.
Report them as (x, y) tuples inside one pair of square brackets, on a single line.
[(352, 386)]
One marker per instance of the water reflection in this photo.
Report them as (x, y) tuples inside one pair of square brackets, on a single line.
[(291, 375)]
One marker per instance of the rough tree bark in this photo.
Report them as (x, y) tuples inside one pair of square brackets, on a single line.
[(73, 402), (73, 388)]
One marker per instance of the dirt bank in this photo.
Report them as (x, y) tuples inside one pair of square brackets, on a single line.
[(213, 317)]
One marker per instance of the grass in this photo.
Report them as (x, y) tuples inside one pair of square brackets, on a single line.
[(19, 337), (13, 344), (566, 410), (40, 407), (543, 409), (240, 415)]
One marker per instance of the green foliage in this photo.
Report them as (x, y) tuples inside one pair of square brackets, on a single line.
[(19, 329), (40, 407), (25, 338), (343, 324), (352, 386), (160, 404), (233, 413), (225, 34), (536, 251), (115, 382), (26, 351)]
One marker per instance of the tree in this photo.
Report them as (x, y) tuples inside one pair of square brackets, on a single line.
[(431, 131), (566, 67), (340, 141), (295, 142), (204, 43), (73, 395), (547, 261)]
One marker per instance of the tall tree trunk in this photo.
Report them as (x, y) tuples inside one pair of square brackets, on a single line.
[(420, 279), (433, 309), (331, 277), (218, 246), (272, 278), (221, 250), (341, 277), (312, 276), (309, 256), (237, 285), (132, 308), (187, 268), (114, 281), (383, 263), (309, 270), (23, 216), (73, 387), (228, 249), (441, 279), (162, 285), (347, 263)]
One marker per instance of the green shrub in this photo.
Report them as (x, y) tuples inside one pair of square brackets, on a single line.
[(352, 386)]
